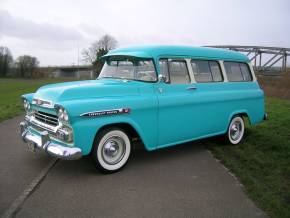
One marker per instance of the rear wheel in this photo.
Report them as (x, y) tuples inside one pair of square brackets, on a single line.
[(236, 130), (112, 149)]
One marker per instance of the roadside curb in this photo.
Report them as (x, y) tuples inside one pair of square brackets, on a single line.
[(18, 202)]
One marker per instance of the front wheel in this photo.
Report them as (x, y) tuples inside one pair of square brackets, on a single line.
[(236, 130), (112, 149)]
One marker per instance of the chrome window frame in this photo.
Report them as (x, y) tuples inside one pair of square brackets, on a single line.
[(254, 78), (223, 69)]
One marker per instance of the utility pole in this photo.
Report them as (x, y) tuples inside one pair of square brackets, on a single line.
[(78, 72)]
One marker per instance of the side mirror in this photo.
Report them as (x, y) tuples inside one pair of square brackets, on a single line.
[(162, 78)]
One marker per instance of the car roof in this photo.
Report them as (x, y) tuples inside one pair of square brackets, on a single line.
[(177, 51)]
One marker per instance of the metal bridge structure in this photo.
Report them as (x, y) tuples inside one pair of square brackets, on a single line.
[(264, 59)]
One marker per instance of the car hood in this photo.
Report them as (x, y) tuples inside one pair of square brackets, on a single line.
[(87, 89)]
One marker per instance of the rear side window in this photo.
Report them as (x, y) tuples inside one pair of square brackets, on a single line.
[(246, 72), (237, 72), (206, 71), (178, 72)]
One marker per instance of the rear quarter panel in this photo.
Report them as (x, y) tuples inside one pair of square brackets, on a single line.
[(219, 102)]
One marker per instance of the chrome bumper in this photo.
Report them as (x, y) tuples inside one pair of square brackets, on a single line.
[(44, 142)]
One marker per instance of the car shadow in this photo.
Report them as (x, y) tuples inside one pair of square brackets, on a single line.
[(140, 158)]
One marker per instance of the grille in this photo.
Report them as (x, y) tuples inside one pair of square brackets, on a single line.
[(49, 119)]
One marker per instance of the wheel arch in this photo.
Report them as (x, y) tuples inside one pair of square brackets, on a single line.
[(243, 113), (130, 129)]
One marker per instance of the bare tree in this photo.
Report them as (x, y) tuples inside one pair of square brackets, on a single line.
[(99, 48), (26, 65), (5, 61)]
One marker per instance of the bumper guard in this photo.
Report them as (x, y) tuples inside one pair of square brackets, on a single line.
[(44, 142)]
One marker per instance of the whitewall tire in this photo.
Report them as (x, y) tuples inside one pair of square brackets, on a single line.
[(112, 149), (236, 130)]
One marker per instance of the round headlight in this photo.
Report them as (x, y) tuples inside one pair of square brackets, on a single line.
[(26, 105), (62, 115), (65, 116)]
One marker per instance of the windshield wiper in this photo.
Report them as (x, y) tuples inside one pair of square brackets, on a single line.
[(123, 78), (107, 77)]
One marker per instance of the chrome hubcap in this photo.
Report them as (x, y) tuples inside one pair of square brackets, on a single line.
[(113, 150), (235, 131)]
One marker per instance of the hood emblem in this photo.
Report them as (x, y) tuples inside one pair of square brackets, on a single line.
[(43, 103), (106, 112)]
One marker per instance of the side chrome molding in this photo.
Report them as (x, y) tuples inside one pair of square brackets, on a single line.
[(106, 112)]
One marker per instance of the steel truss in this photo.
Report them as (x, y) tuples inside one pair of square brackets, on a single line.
[(262, 62)]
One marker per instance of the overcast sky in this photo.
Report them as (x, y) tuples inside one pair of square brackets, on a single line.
[(53, 30)]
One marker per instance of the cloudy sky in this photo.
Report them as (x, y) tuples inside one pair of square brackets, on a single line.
[(54, 30)]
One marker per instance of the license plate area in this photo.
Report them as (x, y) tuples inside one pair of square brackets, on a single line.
[(31, 147)]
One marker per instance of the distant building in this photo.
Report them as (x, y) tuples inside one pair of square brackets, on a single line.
[(74, 71)]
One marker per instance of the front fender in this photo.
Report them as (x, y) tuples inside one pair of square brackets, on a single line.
[(142, 117)]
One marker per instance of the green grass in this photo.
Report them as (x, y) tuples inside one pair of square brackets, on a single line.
[(12, 89), (262, 161)]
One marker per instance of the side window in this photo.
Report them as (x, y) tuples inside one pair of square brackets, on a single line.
[(201, 71), (216, 71), (246, 72), (206, 71), (163, 65), (145, 71), (237, 72), (178, 72)]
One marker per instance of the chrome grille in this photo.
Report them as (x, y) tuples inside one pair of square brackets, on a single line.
[(49, 119)]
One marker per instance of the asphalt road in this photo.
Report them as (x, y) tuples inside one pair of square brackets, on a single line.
[(182, 181)]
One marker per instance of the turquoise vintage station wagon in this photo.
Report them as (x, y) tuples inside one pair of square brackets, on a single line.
[(163, 95)]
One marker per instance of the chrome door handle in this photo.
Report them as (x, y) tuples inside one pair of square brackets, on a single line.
[(191, 88)]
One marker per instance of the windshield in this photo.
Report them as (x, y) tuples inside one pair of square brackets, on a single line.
[(142, 70)]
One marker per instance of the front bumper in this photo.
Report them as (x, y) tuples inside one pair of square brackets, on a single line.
[(44, 142)]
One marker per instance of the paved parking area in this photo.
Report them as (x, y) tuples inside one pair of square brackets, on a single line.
[(182, 181)]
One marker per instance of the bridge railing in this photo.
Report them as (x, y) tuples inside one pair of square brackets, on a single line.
[(264, 59)]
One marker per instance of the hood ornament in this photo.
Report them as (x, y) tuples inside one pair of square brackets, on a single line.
[(42, 103)]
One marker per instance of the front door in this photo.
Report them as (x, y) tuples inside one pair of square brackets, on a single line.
[(176, 118)]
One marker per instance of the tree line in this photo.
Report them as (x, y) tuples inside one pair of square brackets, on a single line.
[(23, 66), (26, 65)]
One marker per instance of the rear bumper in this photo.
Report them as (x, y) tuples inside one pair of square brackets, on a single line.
[(43, 142)]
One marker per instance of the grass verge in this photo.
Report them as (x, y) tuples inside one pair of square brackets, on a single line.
[(262, 161), (12, 89)]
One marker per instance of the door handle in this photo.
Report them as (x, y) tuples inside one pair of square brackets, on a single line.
[(191, 88)]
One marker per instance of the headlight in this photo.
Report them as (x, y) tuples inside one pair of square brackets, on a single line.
[(26, 105), (65, 134), (62, 114)]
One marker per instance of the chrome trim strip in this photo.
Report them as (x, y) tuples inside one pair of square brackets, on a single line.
[(223, 69), (106, 112)]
